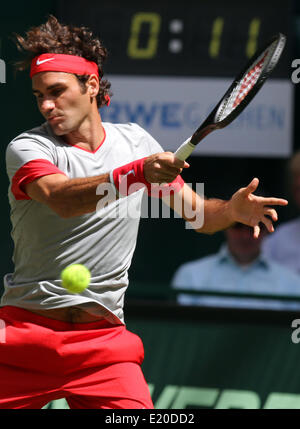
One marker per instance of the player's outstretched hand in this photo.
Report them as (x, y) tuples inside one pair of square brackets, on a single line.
[(250, 209), (163, 167)]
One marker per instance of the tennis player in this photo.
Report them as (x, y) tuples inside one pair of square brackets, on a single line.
[(59, 344)]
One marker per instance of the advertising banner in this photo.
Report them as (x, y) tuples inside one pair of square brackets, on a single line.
[(171, 108)]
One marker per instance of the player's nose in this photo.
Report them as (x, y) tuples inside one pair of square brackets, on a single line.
[(47, 106)]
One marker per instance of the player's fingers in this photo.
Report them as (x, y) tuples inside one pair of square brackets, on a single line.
[(180, 164), (164, 171), (252, 186), (164, 177), (173, 171), (168, 172), (275, 202), (175, 162), (165, 166), (256, 231), (268, 223), (272, 213)]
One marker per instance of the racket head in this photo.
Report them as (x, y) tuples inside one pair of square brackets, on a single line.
[(244, 87)]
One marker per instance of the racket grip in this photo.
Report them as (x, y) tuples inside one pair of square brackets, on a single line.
[(184, 151)]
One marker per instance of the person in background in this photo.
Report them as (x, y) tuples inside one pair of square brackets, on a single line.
[(284, 245), (240, 267)]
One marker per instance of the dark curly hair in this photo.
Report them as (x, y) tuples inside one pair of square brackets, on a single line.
[(54, 37)]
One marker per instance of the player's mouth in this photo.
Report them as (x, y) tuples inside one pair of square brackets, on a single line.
[(54, 119)]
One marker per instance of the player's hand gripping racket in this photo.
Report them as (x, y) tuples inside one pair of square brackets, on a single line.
[(238, 96)]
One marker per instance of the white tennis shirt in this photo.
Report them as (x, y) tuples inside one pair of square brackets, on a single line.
[(44, 243), (283, 246)]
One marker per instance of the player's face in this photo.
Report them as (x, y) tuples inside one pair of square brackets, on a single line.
[(242, 245), (61, 101)]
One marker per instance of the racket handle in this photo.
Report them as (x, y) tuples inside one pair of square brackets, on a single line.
[(184, 151)]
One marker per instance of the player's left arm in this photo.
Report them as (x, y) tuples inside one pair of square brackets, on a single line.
[(212, 215)]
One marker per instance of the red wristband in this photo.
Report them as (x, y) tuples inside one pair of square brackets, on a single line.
[(130, 178)]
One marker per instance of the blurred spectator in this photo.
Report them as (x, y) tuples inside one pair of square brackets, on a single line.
[(239, 267), (283, 245)]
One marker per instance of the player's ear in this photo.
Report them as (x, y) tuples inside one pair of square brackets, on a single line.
[(93, 85)]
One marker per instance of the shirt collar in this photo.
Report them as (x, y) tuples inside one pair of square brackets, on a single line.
[(224, 256)]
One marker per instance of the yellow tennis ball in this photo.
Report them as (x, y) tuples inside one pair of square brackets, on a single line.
[(75, 278)]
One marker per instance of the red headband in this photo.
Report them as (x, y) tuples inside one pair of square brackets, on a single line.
[(63, 63)]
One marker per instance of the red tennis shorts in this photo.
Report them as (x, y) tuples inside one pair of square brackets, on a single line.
[(93, 365)]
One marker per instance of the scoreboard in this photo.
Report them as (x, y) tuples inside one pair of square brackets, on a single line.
[(170, 62), (186, 38)]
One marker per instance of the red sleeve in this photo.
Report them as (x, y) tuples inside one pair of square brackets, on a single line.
[(29, 172)]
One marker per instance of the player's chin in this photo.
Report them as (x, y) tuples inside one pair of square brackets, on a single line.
[(59, 129)]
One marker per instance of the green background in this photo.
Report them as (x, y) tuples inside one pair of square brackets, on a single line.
[(220, 349)]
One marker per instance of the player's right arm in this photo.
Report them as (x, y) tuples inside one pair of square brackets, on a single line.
[(33, 174), (68, 197), (75, 197)]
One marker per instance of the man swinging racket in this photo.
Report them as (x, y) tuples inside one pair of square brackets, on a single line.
[(76, 346)]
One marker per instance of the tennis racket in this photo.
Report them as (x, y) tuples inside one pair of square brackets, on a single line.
[(244, 87)]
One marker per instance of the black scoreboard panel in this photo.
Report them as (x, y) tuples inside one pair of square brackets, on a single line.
[(186, 38)]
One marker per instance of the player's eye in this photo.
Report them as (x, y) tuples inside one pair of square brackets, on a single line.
[(57, 92), (38, 96)]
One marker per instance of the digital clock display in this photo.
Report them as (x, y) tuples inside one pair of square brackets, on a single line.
[(186, 38)]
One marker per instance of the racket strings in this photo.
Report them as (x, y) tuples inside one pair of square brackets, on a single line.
[(244, 86), (249, 81), (243, 89)]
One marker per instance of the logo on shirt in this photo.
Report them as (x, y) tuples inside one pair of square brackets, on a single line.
[(130, 172), (39, 62)]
